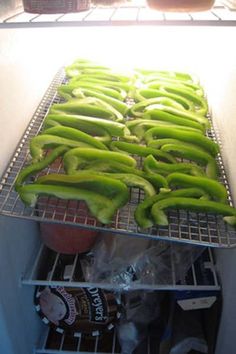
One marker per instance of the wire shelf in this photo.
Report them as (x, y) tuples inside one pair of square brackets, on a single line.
[(53, 343), (126, 14), (188, 227), (55, 269)]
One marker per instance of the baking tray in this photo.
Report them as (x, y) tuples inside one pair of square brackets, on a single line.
[(188, 227)]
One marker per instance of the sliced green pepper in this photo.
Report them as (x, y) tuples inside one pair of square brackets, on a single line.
[(107, 186), (157, 180), (107, 75), (141, 108), (98, 81), (158, 143), (76, 157), (151, 165), (95, 181), (173, 75), (215, 189), (146, 93), (39, 166), (81, 92), (75, 134), (182, 135), (164, 82), (113, 128), (138, 109), (89, 106), (142, 213), (132, 180), (76, 68), (160, 115), (180, 113), (66, 90), (194, 154), (100, 207), (200, 103), (94, 130), (141, 150), (191, 204), (45, 141), (139, 126)]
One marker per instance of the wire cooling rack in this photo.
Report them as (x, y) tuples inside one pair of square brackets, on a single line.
[(188, 227), (133, 13)]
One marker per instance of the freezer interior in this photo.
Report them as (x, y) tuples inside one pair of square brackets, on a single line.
[(30, 58)]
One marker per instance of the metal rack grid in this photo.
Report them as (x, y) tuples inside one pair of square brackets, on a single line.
[(127, 14), (188, 227), (53, 343), (49, 268)]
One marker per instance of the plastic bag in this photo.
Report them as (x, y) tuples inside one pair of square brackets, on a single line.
[(141, 308), (123, 261)]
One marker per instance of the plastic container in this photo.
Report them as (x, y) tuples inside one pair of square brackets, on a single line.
[(76, 311), (55, 6), (181, 5)]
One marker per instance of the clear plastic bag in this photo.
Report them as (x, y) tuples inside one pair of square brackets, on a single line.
[(141, 308), (123, 261)]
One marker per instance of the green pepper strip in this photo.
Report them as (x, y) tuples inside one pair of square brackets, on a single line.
[(199, 102), (45, 141), (142, 213), (141, 150), (132, 180), (84, 179), (194, 154), (160, 115), (151, 165), (113, 128), (75, 134), (75, 69), (67, 89), (168, 74), (106, 75), (158, 143), (183, 135), (107, 83), (140, 126), (138, 109), (100, 207), (158, 82), (146, 93), (78, 71), (157, 180), (39, 166), (191, 204), (89, 106), (214, 188), (180, 113), (109, 187), (81, 92), (85, 109), (96, 131), (74, 158)]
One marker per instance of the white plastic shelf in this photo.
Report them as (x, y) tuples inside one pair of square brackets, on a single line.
[(54, 269)]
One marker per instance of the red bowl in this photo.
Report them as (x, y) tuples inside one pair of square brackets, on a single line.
[(68, 239)]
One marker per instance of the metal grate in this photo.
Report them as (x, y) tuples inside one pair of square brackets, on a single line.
[(53, 343), (126, 14), (196, 228), (54, 269)]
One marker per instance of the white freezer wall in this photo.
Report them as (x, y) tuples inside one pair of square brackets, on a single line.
[(29, 58)]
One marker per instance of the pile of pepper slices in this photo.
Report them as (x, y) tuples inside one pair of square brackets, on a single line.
[(100, 135)]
